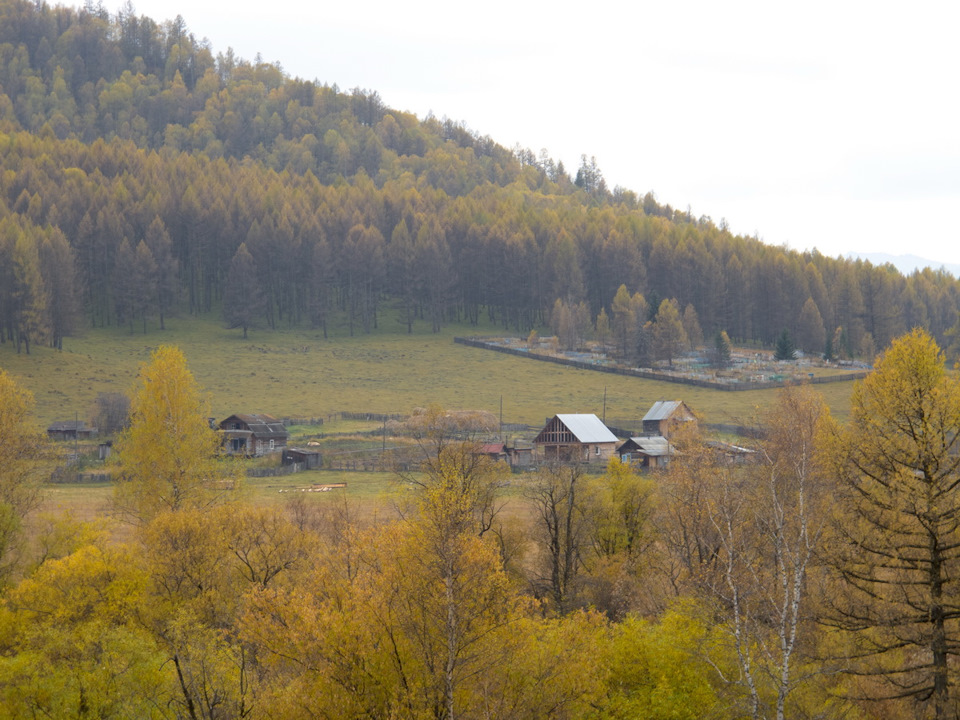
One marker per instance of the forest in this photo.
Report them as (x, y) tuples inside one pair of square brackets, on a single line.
[(137, 168)]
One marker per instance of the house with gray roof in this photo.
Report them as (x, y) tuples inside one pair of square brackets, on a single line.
[(253, 435), (649, 451), (575, 438), (664, 416)]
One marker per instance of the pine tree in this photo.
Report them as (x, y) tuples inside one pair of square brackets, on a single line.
[(720, 354), (784, 349)]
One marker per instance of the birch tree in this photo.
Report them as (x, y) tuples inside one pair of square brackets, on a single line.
[(167, 454), (748, 546)]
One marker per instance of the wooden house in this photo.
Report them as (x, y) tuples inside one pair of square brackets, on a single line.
[(253, 434), (71, 430), (665, 416), (648, 451), (575, 438)]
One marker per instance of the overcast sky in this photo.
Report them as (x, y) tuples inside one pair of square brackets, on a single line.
[(832, 125)]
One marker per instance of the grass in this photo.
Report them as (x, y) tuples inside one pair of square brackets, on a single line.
[(297, 373)]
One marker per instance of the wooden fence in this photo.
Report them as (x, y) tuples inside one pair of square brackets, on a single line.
[(653, 375)]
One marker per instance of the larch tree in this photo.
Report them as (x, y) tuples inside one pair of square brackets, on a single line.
[(145, 278), (623, 323), (167, 454), (125, 283), (669, 336), (59, 276), (897, 547), (161, 247), (243, 299), (811, 334), (691, 326), (29, 296)]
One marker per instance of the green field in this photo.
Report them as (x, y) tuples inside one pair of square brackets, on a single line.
[(296, 373)]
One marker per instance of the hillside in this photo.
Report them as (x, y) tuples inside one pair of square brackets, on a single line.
[(295, 373), (136, 164)]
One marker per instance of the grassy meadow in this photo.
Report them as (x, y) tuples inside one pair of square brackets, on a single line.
[(297, 373)]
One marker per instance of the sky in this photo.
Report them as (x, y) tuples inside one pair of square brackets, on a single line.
[(827, 125)]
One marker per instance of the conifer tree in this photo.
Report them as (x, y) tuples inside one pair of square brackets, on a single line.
[(784, 348), (243, 300), (897, 548)]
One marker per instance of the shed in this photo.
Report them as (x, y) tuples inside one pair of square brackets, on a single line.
[(305, 458), (575, 438)]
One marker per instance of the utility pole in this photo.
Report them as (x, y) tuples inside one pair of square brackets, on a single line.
[(500, 434)]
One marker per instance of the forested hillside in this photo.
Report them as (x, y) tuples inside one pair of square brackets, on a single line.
[(135, 162)]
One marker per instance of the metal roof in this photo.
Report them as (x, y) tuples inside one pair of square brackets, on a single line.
[(661, 410), (654, 446), (261, 425), (587, 428)]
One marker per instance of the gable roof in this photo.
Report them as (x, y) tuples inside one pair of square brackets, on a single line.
[(662, 409), (587, 428), (261, 425)]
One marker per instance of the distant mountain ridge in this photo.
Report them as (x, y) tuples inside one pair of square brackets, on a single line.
[(906, 264)]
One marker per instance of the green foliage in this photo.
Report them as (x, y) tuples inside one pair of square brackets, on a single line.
[(784, 348), (720, 355)]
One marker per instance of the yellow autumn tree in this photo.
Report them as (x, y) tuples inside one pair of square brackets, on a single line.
[(897, 543), (72, 644), (20, 467), (168, 454)]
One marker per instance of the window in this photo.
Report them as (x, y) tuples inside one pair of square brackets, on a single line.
[(271, 444), (597, 448)]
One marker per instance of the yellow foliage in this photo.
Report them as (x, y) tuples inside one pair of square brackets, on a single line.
[(21, 467), (167, 455)]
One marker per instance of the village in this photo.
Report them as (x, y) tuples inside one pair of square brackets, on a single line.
[(566, 438)]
